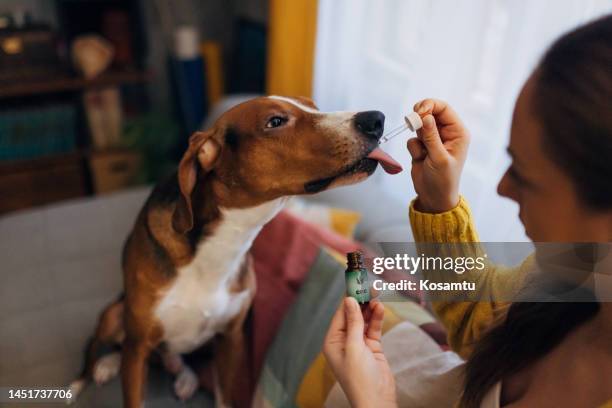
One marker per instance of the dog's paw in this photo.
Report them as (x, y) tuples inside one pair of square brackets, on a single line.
[(173, 363), (75, 388), (107, 368), (186, 384)]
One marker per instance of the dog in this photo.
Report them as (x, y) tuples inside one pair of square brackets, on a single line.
[(187, 277)]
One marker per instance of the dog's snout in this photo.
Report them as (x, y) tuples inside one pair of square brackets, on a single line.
[(370, 123)]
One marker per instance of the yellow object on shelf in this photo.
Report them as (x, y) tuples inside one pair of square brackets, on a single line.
[(211, 53), (291, 45)]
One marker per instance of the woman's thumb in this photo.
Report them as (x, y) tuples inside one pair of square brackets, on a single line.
[(354, 320), (431, 139)]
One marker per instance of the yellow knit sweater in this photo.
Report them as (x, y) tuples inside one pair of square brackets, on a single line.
[(466, 322)]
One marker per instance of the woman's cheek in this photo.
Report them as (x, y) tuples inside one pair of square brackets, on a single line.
[(535, 221), (546, 222)]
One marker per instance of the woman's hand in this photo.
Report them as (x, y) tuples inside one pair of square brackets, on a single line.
[(438, 155), (353, 349)]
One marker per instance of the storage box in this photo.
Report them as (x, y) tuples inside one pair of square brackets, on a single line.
[(29, 183), (114, 170)]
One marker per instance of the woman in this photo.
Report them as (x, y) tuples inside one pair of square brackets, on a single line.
[(530, 354)]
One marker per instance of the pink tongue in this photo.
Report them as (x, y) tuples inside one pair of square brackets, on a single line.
[(388, 163)]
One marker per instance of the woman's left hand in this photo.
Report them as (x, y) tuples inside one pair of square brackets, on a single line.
[(353, 349)]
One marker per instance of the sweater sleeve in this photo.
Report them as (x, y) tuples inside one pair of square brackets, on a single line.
[(466, 322)]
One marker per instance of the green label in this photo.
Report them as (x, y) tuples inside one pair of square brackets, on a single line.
[(357, 285)]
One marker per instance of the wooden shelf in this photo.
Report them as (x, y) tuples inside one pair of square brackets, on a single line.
[(52, 159), (26, 164), (47, 179), (31, 182), (66, 84)]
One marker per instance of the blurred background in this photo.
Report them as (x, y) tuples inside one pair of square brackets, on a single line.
[(101, 95), (476, 54)]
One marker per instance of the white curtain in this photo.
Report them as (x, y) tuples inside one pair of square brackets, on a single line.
[(476, 54)]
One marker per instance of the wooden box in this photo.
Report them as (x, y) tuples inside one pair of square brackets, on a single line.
[(35, 182), (114, 170)]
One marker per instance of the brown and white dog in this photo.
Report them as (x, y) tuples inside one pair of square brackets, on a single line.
[(186, 273)]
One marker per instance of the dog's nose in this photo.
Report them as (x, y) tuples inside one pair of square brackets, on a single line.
[(370, 123)]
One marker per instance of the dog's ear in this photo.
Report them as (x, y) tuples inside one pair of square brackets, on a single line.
[(306, 101), (201, 156)]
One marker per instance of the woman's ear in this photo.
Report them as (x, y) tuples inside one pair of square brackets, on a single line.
[(201, 156)]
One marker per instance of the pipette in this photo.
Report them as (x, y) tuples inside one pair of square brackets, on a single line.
[(413, 123)]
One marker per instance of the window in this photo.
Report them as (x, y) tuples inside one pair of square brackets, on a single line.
[(388, 54)]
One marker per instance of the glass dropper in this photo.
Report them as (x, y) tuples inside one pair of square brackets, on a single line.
[(413, 123)]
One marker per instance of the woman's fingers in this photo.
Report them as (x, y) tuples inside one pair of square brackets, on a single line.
[(375, 324), (432, 141), (337, 327), (416, 149), (374, 293), (354, 321), (444, 114)]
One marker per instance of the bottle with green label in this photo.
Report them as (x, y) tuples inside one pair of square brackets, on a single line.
[(357, 278)]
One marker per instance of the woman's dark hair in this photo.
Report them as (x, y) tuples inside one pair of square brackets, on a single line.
[(573, 102)]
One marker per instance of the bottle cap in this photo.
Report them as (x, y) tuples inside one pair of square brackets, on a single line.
[(354, 259), (414, 121)]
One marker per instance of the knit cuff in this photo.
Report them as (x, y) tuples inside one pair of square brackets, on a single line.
[(450, 226)]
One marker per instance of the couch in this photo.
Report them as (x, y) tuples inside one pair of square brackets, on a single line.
[(60, 265)]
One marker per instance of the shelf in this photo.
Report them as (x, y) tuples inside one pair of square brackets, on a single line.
[(27, 164), (32, 182), (66, 84), (52, 159), (43, 180)]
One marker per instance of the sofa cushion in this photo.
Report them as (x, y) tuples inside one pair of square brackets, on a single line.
[(60, 266)]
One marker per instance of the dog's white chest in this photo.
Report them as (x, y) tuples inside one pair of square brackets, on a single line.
[(199, 303), (195, 309)]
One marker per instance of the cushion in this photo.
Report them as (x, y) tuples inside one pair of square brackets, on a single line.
[(312, 262), (338, 220)]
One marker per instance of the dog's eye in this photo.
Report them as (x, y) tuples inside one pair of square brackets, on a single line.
[(275, 122)]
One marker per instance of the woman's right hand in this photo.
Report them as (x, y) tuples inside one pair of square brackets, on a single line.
[(438, 155)]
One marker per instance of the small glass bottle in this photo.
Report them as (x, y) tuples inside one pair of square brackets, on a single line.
[(357, 278)]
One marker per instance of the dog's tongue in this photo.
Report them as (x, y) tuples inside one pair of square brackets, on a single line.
[(388, 163)]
